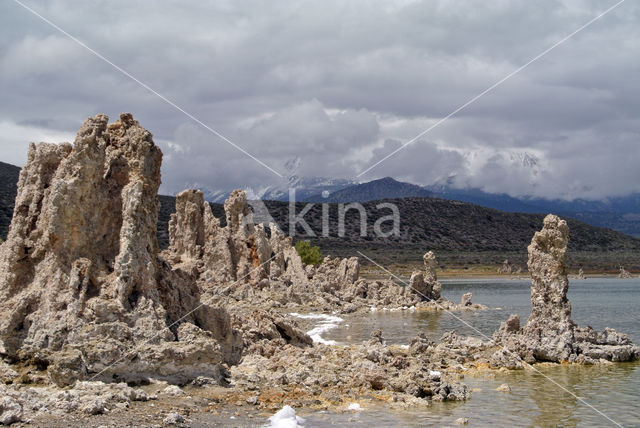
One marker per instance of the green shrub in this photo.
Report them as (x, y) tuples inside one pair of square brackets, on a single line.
[(309, 255)]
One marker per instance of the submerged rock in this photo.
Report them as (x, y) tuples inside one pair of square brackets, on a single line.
[(504, 388), (550, 334)]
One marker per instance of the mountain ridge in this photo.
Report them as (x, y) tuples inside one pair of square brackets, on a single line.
[(9, 175), (373, 190)]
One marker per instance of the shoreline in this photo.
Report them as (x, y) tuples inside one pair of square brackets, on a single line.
[(448, 275)]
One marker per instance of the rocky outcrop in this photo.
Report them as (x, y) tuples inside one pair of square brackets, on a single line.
[(82, 288), (86, 296), (425, 284), (235, 264), (505, 268), (330, 373), (549, 325), (85, 398), (241, 252), (550, 334), (624, 273), (243, 265), (465, 300)]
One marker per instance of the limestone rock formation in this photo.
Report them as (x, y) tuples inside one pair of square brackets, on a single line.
[(243, 265), (550, 334), (82, 288), (425, 284), (86, 296), (505, 268), (549, 324), (239, 253), (624, 273), (235, 261), (465, 300)]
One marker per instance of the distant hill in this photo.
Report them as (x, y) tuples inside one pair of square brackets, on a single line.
[(431, 223), (498, 201), (462, 234), (618, 213), (384, 188), (450, 225)]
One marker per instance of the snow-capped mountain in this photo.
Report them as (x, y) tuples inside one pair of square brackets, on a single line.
[(305, 187)]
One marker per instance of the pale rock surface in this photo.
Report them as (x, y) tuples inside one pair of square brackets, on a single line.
[(549, 326), (465, 300), (82, 288), (506, 267), (372, 365), (173, 419), (624, 274), (550, 334), (237, 260), (85, 293), (243, 265), (504, 388), (425, 284), (10, 410), (90, 398)]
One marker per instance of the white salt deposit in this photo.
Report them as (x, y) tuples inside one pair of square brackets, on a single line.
[(286, 418), (325, 323)]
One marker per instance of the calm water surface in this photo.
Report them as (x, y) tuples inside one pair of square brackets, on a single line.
[(535, 400)]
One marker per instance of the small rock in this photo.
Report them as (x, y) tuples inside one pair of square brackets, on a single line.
[(434, 375), (504, 388), (252, 400), (93, 407), (462, 421), (173, 390), (173, 419), (466, 299), (10, 411)]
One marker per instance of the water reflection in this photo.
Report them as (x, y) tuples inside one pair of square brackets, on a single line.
[(534, 400)]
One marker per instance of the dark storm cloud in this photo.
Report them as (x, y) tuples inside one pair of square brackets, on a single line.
[(339, 85)]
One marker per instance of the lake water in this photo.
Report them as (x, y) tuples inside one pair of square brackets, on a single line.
[(534, 400)]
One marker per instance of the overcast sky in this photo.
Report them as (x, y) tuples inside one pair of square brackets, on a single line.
[(340, 85)]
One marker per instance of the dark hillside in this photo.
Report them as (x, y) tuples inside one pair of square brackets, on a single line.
[(469, 233), (449, 225), (8, 186)]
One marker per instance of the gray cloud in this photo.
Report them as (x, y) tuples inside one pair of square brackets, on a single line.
[(340, 85)]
